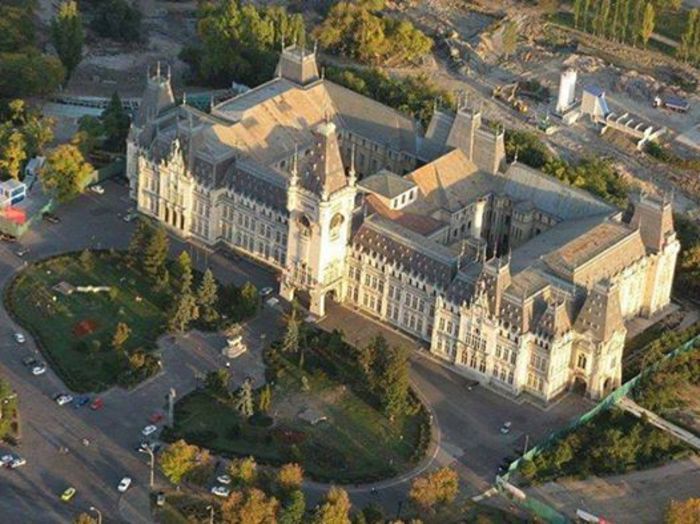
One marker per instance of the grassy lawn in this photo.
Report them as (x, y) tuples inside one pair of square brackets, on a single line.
[(356, 444), (75, 331)]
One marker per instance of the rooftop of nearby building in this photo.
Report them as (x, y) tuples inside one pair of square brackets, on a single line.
[(387, 184)]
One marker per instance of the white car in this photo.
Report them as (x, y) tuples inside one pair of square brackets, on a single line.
[(19, 337), (221, 491), (266, 291), (98, 189), (62, 400), (18, 462), (149, 430), (505, 428), (39, 369), (6, 460), (224, 479), (124, 484)]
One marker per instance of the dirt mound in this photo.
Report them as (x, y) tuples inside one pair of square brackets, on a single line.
[(84, 328)]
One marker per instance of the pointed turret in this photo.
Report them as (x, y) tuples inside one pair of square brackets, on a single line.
[(157, 97), (323, 172)]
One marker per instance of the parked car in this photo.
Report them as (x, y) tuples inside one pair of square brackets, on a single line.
[(22, 251), (39, 369), (51, 218), (68, 494), (63, 398), (6, 460), (80, 401), (149, 430), (97, 188), (224, 479), (98, 403), (20, 338), (17, 462), (505, 428), (155, 417), (160, 498), (6, 237), (124, 484), (266, 291), (221, 491)]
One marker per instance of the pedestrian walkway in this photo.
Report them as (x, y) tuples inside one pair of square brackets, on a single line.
[(638, 411)]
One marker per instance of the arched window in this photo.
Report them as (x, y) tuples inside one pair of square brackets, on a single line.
[(336, 224), (304, 225)]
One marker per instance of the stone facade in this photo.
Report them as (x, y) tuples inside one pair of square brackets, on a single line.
[(514, 278)]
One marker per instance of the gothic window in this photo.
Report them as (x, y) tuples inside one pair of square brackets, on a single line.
[(336, 224), (304, 225), (582, 361)]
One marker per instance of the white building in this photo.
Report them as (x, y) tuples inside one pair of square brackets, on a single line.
[(510, 275)]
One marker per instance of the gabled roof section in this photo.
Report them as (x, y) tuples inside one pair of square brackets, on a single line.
[(451, 181), (386, 184)]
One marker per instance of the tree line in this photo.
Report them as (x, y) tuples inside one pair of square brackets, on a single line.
[(689, 46), (627, 21)]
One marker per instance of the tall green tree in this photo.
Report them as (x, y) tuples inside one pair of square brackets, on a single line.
[(393, 381), (183, 313), (293, 508), (578, 12), (140, 238), (66, 172), (182, 274), (244, 399), (115, 123), (208, 298), (67, 35), (648, 22), (685, 46), (156, 252)]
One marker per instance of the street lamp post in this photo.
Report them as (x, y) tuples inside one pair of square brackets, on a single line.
[(147, 449), (99, 514)]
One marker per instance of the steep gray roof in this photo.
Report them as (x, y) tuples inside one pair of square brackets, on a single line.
[(157, 97), (410, 251), (374, 120), (550, 195)]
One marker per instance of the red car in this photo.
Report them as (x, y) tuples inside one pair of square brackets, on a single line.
[(98, 403), (155, 418)]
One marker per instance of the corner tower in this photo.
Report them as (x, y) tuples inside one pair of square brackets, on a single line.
[(156, 98), (320, 201)]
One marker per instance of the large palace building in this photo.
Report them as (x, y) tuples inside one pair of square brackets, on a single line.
[(514, 278)]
